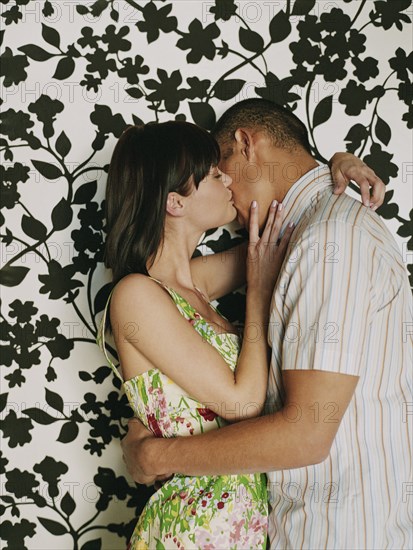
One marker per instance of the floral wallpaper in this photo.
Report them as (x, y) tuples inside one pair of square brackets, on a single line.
[(73, 75)]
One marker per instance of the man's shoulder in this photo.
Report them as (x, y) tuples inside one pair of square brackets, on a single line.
[(343, 214)]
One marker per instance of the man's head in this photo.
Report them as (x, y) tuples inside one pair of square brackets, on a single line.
[(265, 149)]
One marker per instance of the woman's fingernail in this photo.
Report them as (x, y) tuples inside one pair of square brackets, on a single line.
[(291, 224), (254, 204), (280, 206), (367, 203), (274, 203)]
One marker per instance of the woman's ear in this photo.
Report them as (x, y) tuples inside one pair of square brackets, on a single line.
[(175, 204)]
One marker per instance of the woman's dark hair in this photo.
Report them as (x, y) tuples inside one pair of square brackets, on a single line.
[(148, 162)]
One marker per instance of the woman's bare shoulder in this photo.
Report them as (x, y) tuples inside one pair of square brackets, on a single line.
[(137, 295)]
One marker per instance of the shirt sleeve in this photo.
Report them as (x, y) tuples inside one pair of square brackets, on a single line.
[(329, 299)]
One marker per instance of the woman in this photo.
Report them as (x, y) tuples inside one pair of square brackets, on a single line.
[(164, 191)]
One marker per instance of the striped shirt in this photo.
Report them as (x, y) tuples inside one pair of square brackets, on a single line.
[(343, 304)]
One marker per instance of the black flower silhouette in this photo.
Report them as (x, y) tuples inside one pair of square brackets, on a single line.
[(58, 281), (88, 38), (200, 41), (115, 40), (388, 14), (51, 470), (167, 89), (99, 63), (46, 110), (23, 312), (224, 9), (132, 68), (156, 20), (20, 483), (402, 63), (366, 68), (12, 67), (381, 161)]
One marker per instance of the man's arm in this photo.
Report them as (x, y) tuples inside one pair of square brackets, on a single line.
[(300, 434), (319, 373)]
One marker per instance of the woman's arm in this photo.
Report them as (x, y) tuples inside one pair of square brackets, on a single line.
[(224, 272), (345, 167), (171, 344)]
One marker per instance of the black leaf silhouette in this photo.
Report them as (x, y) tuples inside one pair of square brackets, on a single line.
[(95, 544), (54, 527), (39, 416), (12, 275), (64, 68), (203, 115), (85, 193), (49, 171), (54, 400), (67, 504), (62, 215), (323, 111), (227, 89), (68, 432), (382, 131), (63, 145), (35, 52), (302, 7), (355, 136), (114, 15), (3, 401), (134, 92), (101, 297), (406, 230), (250, 40), (51, 35), (280, 27), (34, 228)]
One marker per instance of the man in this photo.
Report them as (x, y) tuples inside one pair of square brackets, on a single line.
[(335, 438)]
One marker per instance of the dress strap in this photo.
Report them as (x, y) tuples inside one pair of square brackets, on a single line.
[(100, 339), (183, 305)]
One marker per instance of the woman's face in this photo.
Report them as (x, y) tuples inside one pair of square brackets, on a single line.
[(212, 204)]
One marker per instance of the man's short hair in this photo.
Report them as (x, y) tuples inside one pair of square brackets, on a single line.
[(282, 126)]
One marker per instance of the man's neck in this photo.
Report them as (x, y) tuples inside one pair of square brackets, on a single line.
[(285, 169)]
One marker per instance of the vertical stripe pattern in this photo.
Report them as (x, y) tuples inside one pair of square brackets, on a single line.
[(343, 304)]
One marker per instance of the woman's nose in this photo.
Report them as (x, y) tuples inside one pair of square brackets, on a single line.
[(226, 179)]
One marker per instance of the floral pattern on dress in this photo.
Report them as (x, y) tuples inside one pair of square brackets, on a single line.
[(187, 512)]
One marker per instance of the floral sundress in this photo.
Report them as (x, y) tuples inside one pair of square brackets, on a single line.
[(187, 512)]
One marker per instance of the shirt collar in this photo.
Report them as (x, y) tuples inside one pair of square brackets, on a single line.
[(305, 192)]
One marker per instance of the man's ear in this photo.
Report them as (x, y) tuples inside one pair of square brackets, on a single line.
[(244, 141), (175, 204)]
